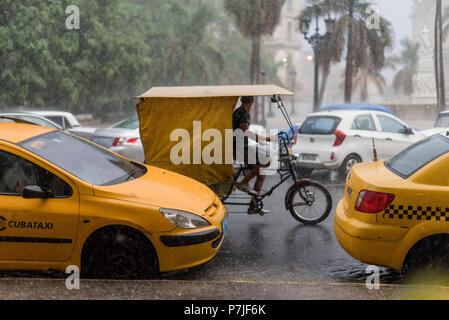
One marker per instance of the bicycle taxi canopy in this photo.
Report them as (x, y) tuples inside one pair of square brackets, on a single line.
[(174, 120)]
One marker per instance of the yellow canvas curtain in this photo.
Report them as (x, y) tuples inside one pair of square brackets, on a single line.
[(159, 117)]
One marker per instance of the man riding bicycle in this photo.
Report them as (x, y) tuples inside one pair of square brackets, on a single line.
[(254, 154)]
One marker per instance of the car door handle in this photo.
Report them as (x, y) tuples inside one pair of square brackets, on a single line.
[(389, 139), (357, 136)]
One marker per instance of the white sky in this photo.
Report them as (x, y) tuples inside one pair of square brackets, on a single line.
[(397, 12)]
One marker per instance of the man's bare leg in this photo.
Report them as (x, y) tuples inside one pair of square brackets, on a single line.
[(260, 178), (252, 174)]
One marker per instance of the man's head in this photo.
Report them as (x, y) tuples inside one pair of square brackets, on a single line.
[(247, 102)]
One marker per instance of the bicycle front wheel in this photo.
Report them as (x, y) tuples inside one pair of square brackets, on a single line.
[(310, 203)]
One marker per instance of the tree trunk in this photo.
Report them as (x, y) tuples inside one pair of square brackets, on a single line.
[(323, 86), (255, 71), (437, 56), (349, 72), (255, 60), (364, 93), (441, 59)]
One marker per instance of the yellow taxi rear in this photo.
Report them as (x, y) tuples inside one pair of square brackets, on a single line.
[(363, 235), (383, 215)]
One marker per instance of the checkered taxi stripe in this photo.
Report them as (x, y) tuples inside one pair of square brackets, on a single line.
[(417, 213)]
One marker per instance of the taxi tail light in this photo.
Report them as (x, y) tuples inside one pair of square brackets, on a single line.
[(123, 141), (373, 202), (339, 138)]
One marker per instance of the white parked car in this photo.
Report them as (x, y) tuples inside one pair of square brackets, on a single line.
[(339, 139), (68, 122), (29, 117)]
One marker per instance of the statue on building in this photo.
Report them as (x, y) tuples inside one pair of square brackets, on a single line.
[(424, 81)]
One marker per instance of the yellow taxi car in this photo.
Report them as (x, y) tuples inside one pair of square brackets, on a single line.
[(65, 201), (395, 213)]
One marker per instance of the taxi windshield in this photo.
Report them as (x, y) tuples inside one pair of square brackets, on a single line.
[(418, 155), (82, 159)]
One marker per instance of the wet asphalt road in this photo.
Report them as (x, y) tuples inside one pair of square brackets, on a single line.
[(262, 257), (276, 247)]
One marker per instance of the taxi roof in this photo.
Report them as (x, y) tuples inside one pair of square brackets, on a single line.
[(215, 91), (18, 132)]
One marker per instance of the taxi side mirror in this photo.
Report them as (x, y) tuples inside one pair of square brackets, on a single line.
[(36, 192)]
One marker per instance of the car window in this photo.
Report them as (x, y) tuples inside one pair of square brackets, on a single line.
[(443, 120), (364, 122), (36, 120), (17, 173), (418, 155), (58, 120), (131, 123), (83, 159), (390, 125), (320, 125)]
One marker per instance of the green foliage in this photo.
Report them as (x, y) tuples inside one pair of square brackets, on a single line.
[(255, 18), (122, 48)]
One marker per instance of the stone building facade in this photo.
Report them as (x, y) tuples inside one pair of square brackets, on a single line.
[(423, 26), (284, 46)]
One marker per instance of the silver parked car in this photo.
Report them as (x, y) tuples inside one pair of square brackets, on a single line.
[(122, 138)]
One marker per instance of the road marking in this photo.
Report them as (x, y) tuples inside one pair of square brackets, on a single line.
[(221, 282)]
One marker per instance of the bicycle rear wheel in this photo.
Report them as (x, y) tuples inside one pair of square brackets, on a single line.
[(310, 203)]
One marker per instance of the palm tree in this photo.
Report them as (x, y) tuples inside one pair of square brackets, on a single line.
[(408, 60), (190, 56), (255, 18), (366, 76), (330, 51), (365, 48)]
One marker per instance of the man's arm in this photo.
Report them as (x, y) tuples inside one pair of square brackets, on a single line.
[(258, 138)]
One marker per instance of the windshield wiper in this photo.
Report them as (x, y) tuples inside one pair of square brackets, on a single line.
[(131, 174)]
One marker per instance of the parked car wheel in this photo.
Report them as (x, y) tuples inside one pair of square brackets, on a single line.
[(119, 253), (349, 162)]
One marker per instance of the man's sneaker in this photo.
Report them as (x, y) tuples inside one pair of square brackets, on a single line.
[(261, 212)]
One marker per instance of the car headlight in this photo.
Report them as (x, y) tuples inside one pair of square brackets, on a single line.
[(184, 220)]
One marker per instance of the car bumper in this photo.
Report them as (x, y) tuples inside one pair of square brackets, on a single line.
[(324, 159), (190, 239), (188, 249), (370, 243)]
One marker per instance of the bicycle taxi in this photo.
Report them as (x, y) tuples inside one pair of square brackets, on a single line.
[(188, 130)]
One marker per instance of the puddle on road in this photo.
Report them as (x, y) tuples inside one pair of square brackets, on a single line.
[(357, 273)]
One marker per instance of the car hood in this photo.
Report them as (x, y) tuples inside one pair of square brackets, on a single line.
[(432, 131), (165, 189)]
